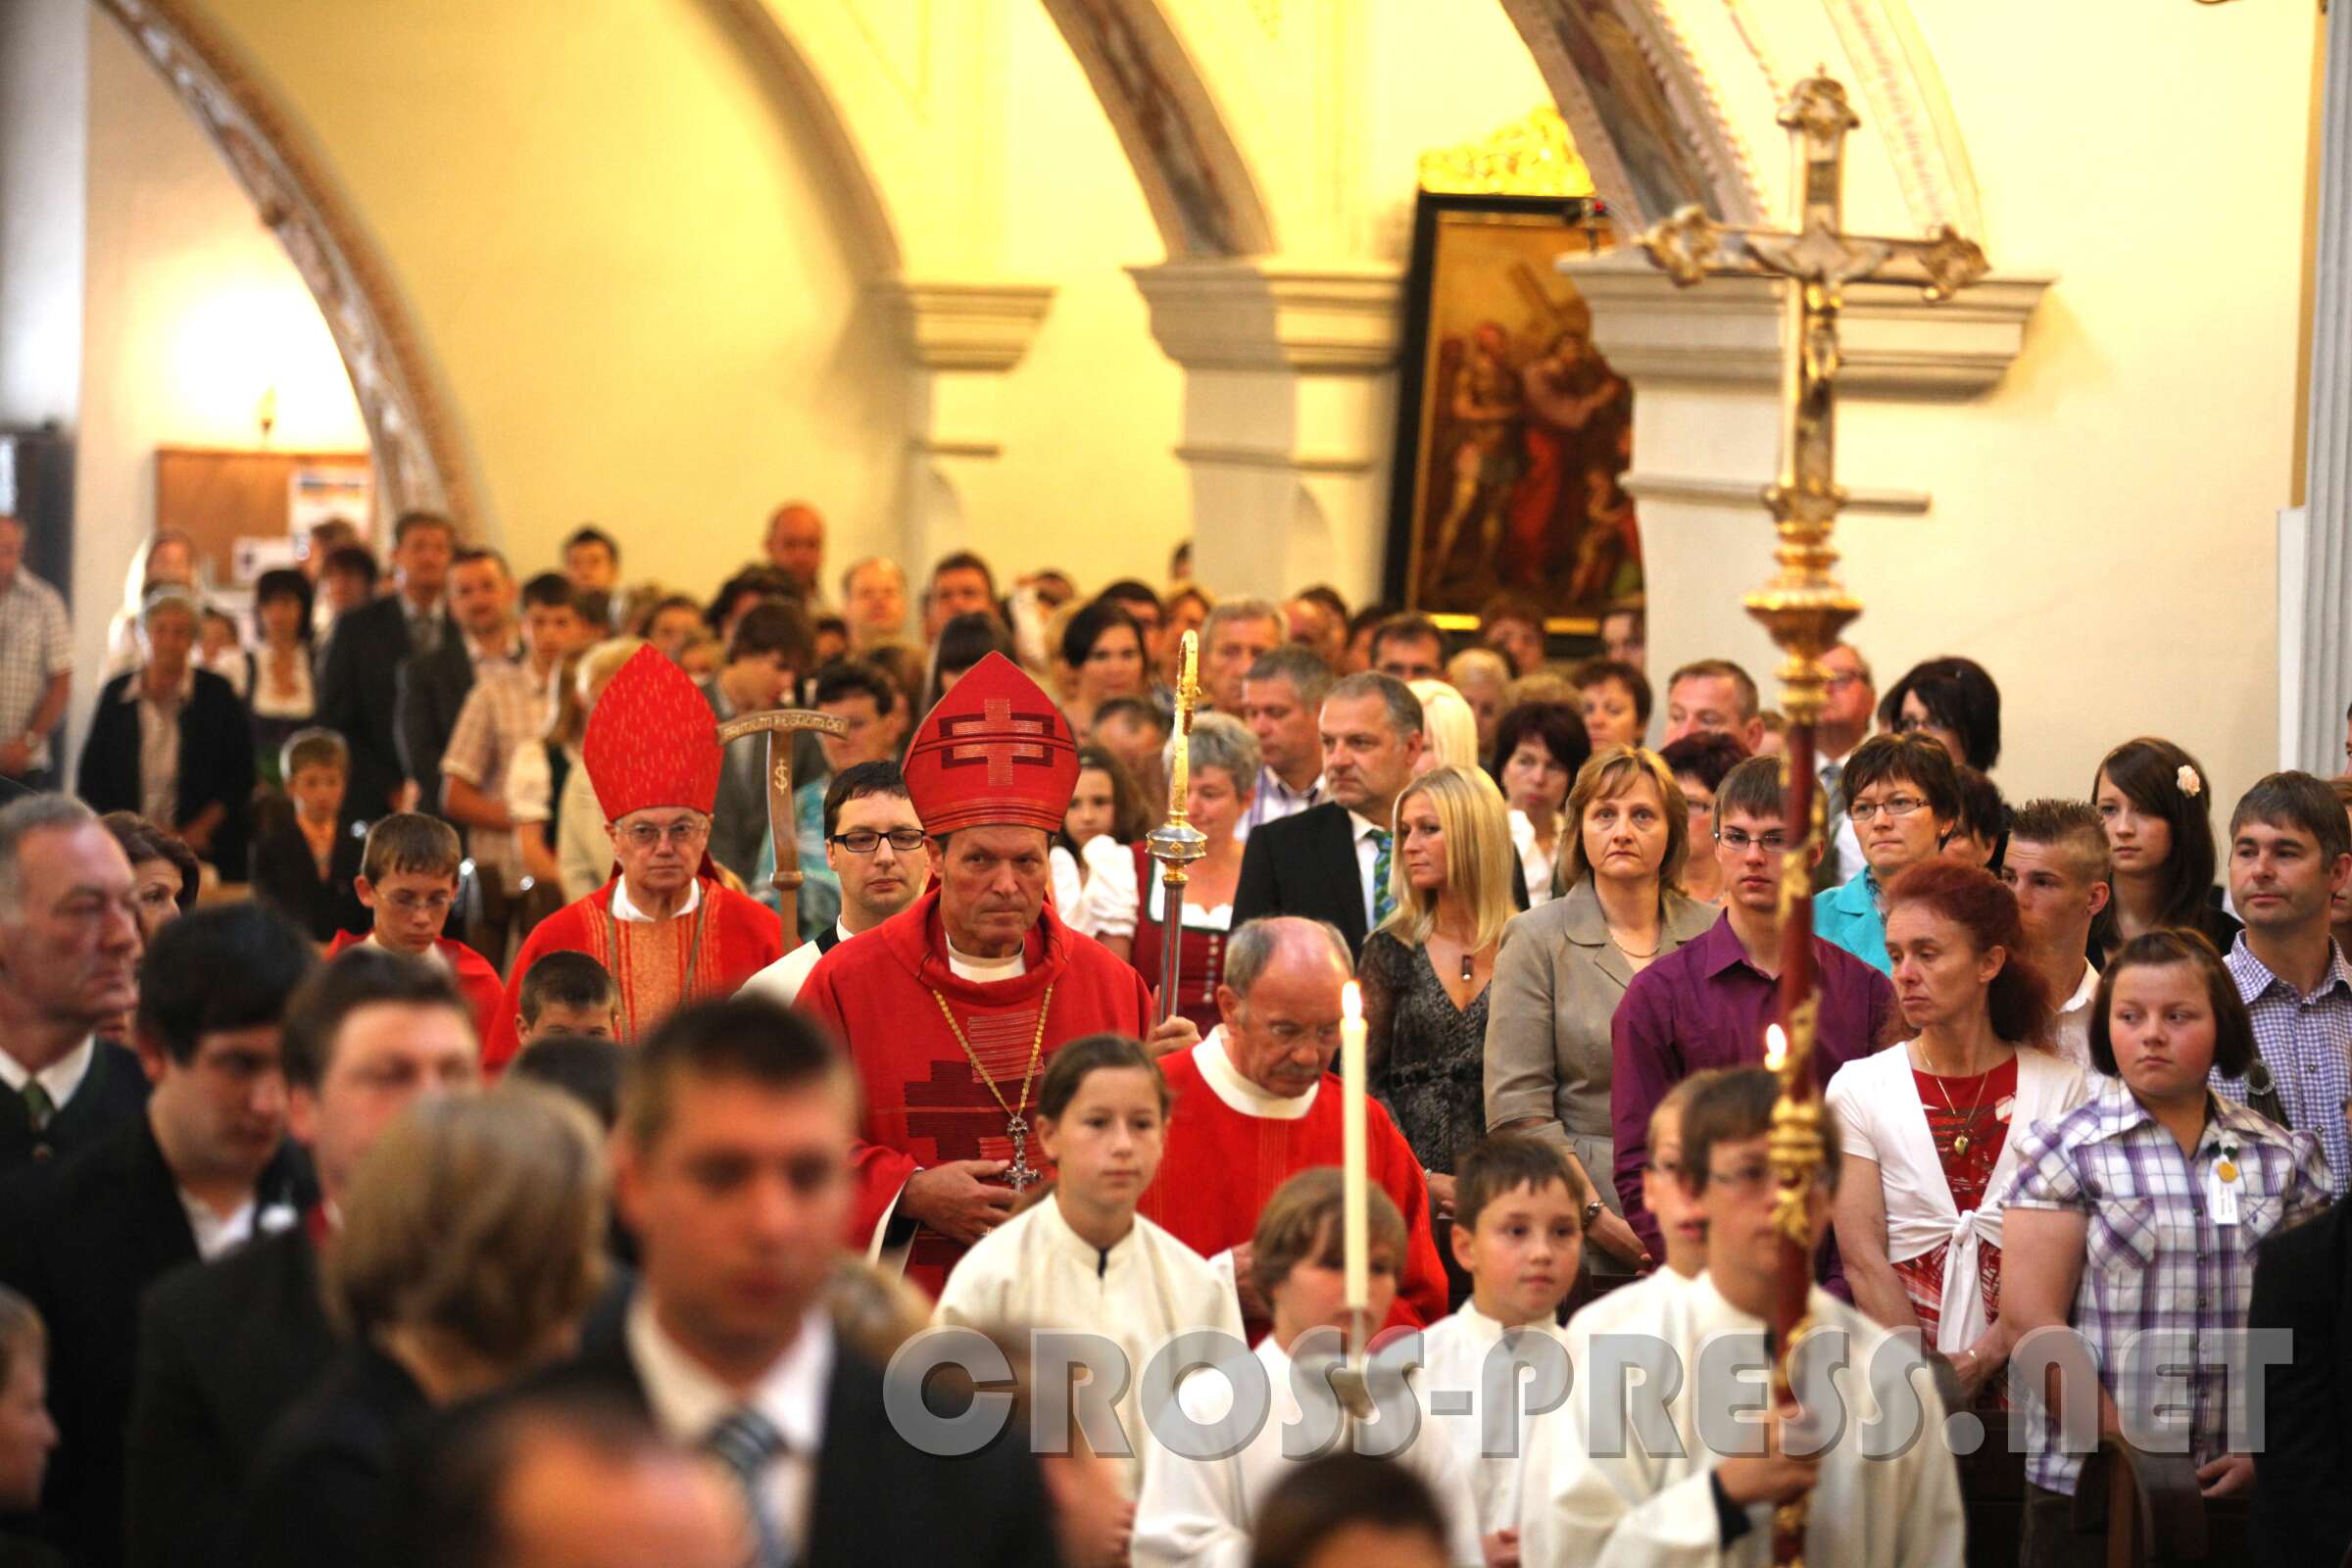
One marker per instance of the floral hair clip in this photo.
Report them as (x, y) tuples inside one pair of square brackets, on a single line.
[(2191, 785)]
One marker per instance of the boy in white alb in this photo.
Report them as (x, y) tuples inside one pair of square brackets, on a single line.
[(1199, 1513), (1081, 1257), (1686, 1504), (1518, 1232)]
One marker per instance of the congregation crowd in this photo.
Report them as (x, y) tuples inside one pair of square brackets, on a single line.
[(437, 1131)]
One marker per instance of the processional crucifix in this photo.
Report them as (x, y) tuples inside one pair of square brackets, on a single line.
[(1803, 606)]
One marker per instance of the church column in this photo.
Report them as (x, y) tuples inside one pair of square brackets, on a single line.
[(2315, 545), (1289, 410), (962, 339), (1705, 366)]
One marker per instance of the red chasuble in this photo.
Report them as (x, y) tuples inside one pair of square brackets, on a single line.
[(659, 966), (923, 1102), (1225, 1157), (484, 993)]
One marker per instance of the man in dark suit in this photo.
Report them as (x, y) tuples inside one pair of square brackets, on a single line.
[(430, 689), (68, 964), (2303, 1469), (1331, 861), (729, 1346), (225, 1348), (205, 1169), (771, 644), (358, 683)]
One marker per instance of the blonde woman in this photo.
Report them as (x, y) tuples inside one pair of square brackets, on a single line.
[(1448, 726), (1564, 967), (470, 1246), (1427, 969)]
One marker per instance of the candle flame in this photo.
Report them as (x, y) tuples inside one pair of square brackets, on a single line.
[(1351, 1002), (1775, 1048)]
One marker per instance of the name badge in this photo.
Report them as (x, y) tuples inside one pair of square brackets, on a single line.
[(2221, 1186)]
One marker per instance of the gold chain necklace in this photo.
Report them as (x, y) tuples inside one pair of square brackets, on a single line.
[(1018, 1175), (1960, 1139)]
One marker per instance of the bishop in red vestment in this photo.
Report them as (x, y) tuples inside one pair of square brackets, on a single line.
[(666, 928), (950, 1009), (1256, 1103)]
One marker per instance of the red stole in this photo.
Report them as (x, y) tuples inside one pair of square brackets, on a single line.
[(924, 1102), (1222, 1164)]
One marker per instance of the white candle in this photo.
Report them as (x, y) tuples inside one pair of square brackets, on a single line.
[(1356, 1214), (1775, 1047)]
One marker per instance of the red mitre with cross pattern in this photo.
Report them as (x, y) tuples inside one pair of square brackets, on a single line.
[(994, 751), (653, 740)]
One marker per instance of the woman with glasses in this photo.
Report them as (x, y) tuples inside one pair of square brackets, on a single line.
[(2139, 1215), (1903, 798), (1925, 1125), (1563, 969), (1953, 702), (1221, 776), (2152, 798)]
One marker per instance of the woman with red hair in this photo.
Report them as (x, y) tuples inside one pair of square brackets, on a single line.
[(1926, 1126)]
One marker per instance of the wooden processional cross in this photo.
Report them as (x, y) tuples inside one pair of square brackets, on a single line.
[(1804, 607)]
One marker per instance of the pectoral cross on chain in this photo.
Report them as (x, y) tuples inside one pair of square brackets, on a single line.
[(1818, 259), (1019, 1174)]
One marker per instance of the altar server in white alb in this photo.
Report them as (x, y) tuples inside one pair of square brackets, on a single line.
[(1518, 1232), (1628, 1310), (1201, 1513), (1081, 1257), (1626, 1505)]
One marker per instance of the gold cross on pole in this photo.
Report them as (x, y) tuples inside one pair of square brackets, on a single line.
[(1804, 607)]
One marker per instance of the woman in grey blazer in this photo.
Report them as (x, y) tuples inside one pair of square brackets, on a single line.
[(1564, 966)]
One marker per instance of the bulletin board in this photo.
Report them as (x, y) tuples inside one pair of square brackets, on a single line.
[(246, 509)]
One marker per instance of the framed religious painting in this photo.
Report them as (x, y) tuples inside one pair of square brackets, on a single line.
[(1513, 432)]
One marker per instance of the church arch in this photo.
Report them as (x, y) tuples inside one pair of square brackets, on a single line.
[(1193, 178), (421, 460)]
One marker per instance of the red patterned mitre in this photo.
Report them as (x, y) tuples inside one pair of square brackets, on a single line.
[(995, 749), (653, 740)]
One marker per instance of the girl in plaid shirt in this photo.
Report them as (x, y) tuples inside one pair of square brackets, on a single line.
[(2134, 1218)]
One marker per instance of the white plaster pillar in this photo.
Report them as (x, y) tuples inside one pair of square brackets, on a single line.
[(1705, 363), (962, 337), (2315, 548), (1288, 413)]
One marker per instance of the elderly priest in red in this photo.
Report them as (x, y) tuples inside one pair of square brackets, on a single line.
[(1256, 1103), (667, 929), (951, 1008)]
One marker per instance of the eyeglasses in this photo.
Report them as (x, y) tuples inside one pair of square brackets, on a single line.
[(1893, 806), (866, 841), (1839, 679), (420, 903), (1738, 841), (652, 835)]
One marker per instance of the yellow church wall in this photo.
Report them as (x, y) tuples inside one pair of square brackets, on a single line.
[(636, 292), (191, 311), (1092, 414), (2104, 525)]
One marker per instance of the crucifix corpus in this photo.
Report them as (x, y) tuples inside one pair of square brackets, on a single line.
[(1803, 606), (779, 724)]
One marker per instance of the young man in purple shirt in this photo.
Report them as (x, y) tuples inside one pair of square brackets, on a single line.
[(1706, 1003)]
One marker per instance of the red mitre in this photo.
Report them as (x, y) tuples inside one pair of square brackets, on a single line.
[(653, 740), (994, 751)]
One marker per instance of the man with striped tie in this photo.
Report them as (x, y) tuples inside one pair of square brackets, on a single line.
[(731, 1168)]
